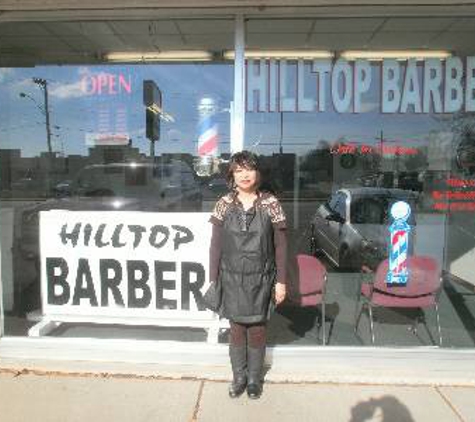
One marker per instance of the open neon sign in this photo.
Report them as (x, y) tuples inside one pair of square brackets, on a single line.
[(106, 84)]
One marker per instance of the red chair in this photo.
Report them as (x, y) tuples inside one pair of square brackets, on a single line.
[(421, 292), (312, 283)]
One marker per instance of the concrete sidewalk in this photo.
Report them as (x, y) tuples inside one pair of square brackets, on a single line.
[(60, 397)]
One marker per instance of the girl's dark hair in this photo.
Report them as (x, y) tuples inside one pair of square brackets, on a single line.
[(244, 159)]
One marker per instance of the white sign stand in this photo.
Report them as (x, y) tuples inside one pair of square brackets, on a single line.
[(49, 323)]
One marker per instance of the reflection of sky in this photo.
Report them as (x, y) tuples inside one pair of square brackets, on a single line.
[(303, 131), (74, 113)]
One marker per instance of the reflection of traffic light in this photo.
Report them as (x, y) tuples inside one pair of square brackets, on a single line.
[(152, 125), (152, 99)]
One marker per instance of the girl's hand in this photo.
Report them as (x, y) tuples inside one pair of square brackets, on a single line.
[(280, 293)]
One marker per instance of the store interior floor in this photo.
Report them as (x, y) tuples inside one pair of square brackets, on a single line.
[(393, 327), (294, 325)]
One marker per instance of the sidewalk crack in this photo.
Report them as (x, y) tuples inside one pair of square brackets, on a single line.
[(449, 403), (194, 417)]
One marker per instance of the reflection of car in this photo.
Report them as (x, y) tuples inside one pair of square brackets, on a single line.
[(102, 187), (372, 179), (218, 185), (136, 186), (410, 181), (351, 229), (465, 153), (29, 186), (62, 189), (215, 187)]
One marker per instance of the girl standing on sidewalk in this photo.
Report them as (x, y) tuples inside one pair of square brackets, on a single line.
[(248, 256)]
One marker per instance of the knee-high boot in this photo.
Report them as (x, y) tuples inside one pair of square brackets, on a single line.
[(255, 365), (238, 357)]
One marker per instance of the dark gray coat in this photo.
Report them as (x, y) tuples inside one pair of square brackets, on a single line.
[(247, 269)]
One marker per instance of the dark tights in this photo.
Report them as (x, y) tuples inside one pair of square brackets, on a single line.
[(252, 335)]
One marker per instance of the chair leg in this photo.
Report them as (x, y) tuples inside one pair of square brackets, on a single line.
[(438, 323), (429, 333), (319, 324), (323, 324), (418, 320), (371, 322), (358, 314)]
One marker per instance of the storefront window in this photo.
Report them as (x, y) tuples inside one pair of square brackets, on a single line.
[(345, 136), (364, 128), (104, 138)]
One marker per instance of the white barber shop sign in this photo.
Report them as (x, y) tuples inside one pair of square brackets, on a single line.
[(124, 268)]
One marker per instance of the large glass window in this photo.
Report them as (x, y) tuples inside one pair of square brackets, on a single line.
[(110, 116), (129, 117), (350, 119)]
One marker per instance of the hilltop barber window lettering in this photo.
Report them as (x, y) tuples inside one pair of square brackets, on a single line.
[(123, 262), (417, 86)]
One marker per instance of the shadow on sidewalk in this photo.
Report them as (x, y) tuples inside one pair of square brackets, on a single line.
[(384, 409)]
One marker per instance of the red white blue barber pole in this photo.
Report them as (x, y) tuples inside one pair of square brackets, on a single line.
[(398, 273), (207, 137)]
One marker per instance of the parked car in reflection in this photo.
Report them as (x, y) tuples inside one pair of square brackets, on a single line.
[(101, 187), (411, 180), (62, 189), (465, 153), (215, 187), (351, 228), (30, 186)]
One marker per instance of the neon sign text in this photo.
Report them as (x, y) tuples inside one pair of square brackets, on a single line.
[(353, 148), (106, 84)]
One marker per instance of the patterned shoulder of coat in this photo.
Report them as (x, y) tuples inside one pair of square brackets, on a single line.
[(272, 205), (222, 206)]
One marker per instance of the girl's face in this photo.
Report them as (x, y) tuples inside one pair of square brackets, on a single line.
[(245, 179)]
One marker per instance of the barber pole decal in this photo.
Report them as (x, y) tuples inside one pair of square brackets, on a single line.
[(207, 136), (399, 244)]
